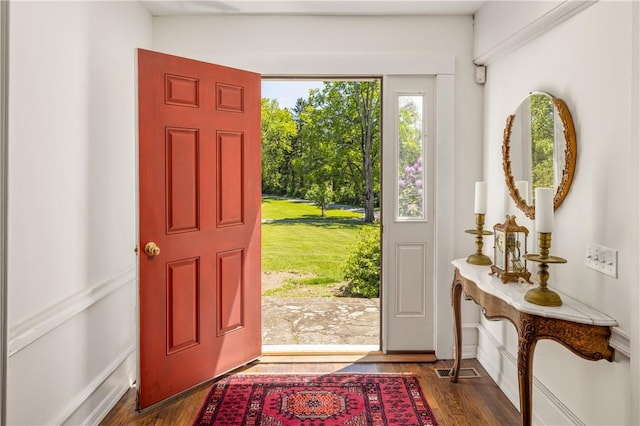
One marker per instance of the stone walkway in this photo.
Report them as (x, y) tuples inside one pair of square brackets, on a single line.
[(320, 321)]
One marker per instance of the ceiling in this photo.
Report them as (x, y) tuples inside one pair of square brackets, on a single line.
[(312, 7)]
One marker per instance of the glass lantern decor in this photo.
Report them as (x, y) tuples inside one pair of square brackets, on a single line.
[(510, 246)]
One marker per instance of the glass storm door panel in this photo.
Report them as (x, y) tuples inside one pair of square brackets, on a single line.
[(408, 231), (410, 134)]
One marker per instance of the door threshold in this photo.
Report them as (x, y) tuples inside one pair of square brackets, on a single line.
[(306, 350), (293, 354)]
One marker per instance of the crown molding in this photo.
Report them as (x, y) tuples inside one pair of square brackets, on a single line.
[(539, 26)]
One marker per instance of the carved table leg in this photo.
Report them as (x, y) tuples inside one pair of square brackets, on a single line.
[(526, 345), (456, 293)]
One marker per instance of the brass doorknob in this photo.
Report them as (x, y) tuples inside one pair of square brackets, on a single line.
[(151, 249)]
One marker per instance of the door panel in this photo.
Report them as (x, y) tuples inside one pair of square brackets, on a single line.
[(410, 298), (231, 171), (230, 289), (182, 180), (199, 201), (182, 304)]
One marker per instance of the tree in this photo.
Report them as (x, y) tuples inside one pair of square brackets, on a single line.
[(321, 195), (335, 139), (542, 137), (343, 139), (298, 167), (409, 132), (278, 130)]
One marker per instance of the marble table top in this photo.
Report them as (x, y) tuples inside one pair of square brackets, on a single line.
[(513, 294)]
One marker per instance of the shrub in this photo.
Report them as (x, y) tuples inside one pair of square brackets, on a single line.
[(410, 190), (362, 267)]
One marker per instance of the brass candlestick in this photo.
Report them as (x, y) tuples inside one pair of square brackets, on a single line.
[(478, 258), (541, 295)]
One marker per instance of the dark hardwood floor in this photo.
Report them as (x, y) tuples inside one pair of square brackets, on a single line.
[(471, 401)]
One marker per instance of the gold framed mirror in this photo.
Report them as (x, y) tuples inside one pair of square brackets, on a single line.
[(539, 149)]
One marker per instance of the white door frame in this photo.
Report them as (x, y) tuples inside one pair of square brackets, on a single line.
[(443, 68), (4, 144)]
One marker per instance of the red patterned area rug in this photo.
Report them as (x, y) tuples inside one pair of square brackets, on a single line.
[(316, 400)]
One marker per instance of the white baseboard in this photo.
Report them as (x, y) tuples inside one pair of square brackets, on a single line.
[(501, 365), (469, 334), (493, 358), (95, 401)]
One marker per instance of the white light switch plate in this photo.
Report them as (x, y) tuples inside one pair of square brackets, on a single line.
[(602, 259)]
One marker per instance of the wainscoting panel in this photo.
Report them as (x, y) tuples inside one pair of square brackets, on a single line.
[(502, 367), (33, 328), (79, 366)]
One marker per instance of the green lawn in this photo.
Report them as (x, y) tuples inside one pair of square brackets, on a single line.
[(299, 240), (273, 208)]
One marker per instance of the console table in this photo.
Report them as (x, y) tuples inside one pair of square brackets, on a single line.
[(578, 327)]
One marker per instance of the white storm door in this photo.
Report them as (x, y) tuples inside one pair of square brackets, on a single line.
[(408, 314)]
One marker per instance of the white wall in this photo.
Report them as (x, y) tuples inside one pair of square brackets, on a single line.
[(71, 265), (587, 61), (276, 45)]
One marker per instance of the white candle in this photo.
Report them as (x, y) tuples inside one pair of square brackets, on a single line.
[(480, 206), (523, 189), (544, 210)]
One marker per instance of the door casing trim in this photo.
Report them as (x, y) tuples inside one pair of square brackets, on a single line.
[(4, 161)]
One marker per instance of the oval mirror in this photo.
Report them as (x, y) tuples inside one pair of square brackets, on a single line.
[(539, 150)]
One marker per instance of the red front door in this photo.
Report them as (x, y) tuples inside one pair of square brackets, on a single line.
[(199, 205)]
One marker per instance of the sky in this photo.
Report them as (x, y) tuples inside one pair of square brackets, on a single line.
[(287, 92)]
